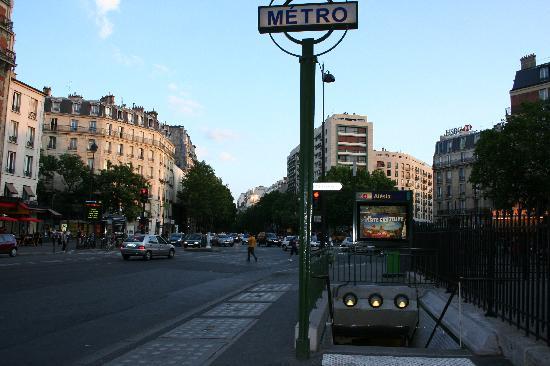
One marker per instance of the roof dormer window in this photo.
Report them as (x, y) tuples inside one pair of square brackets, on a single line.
[(76, 107), (544, 72), (94, 109)]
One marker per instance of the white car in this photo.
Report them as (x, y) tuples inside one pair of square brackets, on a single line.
[(285, 244), (347, 242)]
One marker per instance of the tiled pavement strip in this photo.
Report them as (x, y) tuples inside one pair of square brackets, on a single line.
[(199, 339)]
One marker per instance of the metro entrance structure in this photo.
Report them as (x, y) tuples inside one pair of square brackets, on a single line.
[(287, 18)]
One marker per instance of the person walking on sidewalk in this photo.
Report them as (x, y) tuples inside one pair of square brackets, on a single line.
[(64, 241), (251, 247), (293, 248)]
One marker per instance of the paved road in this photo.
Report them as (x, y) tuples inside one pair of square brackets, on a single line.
[(60, 308)]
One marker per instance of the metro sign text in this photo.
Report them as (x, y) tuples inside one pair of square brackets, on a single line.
[(307, 17)]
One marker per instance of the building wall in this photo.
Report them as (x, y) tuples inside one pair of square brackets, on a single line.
[(185, 155), (532, 83), (7, 65), (22, 140), (123, 136), (410, 174), (453, 160), (293, 170)]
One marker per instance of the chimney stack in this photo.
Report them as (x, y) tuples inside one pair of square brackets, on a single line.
[(528, 61), (47, 90)]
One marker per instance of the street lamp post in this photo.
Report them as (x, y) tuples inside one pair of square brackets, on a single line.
[(326, 77), (93, 150)]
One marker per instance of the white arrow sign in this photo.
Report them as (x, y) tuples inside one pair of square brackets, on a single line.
[(327, 186)]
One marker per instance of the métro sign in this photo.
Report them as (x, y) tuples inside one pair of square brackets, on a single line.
[(308, 17)]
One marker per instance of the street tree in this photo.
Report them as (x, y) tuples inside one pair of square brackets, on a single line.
[(119, 190), (512, 164), (275, 211), (205, 200)]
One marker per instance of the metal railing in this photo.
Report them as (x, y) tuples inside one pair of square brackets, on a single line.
[(8, 56), (319, 270), (502, 263)]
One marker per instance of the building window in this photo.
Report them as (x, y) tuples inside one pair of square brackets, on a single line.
[(10, 166), (461, 187), (130, 118), (56, 107), (449, 175), (108, 147), (33, 108), (543, 94), (388, 173), (120, 131), (74, 125), (27, 166), (388, 165), (52, 143), (544, 72), (109, 129), (119, 114), (120, 149), (13, 131), (108, 111), (150, 172), (93, 126), (90, 163), (448, 191), (76, 107), (140, 153), (140, 170), (461, 176), (53, 124), (72, 143), (396, 174), (16, 102), (30, 134), (94, 110), (151, 156)]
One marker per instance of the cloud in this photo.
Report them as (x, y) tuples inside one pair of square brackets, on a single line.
[(225, 156), (184, 106), (102, 9), (219, 134), (160, 69), (126, 60)]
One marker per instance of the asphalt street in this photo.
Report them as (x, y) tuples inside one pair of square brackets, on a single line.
[(58, 309)]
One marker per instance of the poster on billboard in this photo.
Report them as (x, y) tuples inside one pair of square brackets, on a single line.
[(382, 222)]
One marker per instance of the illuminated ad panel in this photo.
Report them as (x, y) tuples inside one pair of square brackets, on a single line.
[(378, 222)]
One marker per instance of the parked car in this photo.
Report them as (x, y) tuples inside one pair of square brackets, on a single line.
[(8, 244), (271, 239), (244, 239), (225, 241), (177, 239), (236, 237), (314, 243), (194, 240), (146, 246)]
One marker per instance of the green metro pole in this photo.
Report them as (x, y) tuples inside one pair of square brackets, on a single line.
[(308, 62), (329, 16)]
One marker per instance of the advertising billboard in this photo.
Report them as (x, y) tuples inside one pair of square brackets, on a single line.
[(382, 222)]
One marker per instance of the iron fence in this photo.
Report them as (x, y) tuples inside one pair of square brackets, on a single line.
[(502, 262)]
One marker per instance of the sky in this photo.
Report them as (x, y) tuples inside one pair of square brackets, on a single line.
[(415, 68)]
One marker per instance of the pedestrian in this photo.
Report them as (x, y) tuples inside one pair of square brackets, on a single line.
[(251, 247), (64, 241), (293, 248)]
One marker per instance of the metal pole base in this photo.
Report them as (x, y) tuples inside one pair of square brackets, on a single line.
[(302, 349)]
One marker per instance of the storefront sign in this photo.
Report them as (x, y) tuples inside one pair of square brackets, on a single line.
[(457, 130)]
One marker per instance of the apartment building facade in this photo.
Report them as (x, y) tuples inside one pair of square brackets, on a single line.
[(123, 135), (185, 150), (452, 165), (532, 83), (22, 141), (410, 174)]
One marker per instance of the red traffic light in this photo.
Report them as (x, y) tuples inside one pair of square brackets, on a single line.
[(316, 195), (144, 194)]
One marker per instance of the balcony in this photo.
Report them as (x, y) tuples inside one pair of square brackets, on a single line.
[(10, 170), (130, 155), (30, 144), (27, 173), (7, 56), (454, 162), (51, 146), (71, 148), (12, 139), (6, 24)]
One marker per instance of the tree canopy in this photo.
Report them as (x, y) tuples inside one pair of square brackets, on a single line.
[(513, 160), (205, 200), (276, 212)]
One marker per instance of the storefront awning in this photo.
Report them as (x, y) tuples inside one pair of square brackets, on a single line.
[(29, 219), (11, 188), (7, 218), (28, 191)]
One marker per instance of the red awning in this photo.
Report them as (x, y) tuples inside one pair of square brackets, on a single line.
[(6, 218), (29, 219)]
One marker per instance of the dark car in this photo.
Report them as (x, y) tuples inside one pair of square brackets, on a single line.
[(272, 239), (8, 244), (177, 239), (193, 240)]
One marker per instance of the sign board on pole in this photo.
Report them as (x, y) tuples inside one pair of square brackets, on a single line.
[(308, 17), (327, 186), (317, 219)]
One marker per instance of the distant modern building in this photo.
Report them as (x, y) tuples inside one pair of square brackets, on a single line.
[(532, 82), (452, 165), (251, 197), (348, 141), (185, 150), (279, 186), (123, 135), (410, 174)]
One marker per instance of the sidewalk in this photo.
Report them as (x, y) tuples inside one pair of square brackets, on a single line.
[(47, 249)]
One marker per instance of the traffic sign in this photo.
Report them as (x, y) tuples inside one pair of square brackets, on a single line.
[(308, 17), (327, 186)]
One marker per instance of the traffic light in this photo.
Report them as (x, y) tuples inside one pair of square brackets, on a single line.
[(144, 195), (316, 199)]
